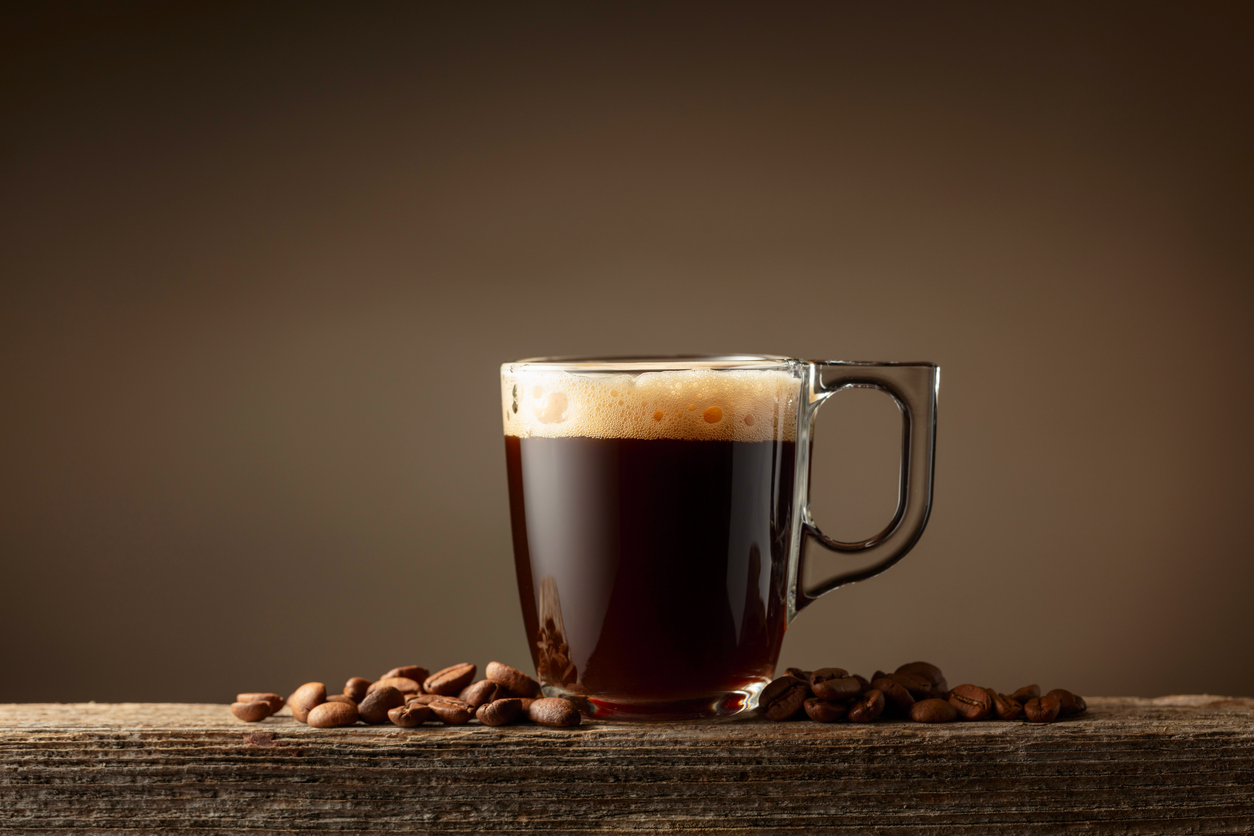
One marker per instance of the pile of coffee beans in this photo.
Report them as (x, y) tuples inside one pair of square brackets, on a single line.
[(916, 691), (410, 696)]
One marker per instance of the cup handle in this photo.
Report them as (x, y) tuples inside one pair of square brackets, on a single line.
[(913, 387)]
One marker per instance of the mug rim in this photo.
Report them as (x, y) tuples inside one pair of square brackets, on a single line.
[(657, 362)]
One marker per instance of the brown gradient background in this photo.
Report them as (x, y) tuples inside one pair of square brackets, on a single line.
[(261, 263)]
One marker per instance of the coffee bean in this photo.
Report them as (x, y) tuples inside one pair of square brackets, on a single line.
[(274, 701), (878, 675), (928, 671), (862, 681), (499, 712), (512, 680), (918, 687), (331, 714), (825, 711), (1026, 693), (450, 711), (454, 701), (305, 698), (409, 716), (1004, 707), (424, 699), (340, 698), (375, 707), (450, 680), (415, 672), (933, 711), (553, 711), (401, 683), (251, 711), (481, 693), (898, 698), (783, 697), (1069, 703), (834, 684), (355, 688), (527, 702), (868, 707), (1042, 709), (971, 702), (799, 673)]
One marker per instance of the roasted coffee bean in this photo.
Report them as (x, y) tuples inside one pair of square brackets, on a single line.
[(971, 702), (552, 711), (1004, 707), (825, 711), (401, 683), (919, 688), (454, 701), (450, 680), (375, 707), (783, 697), (527, 702), (799, 673), (1069, 703), (425, 699), (415, 672), (868, 707), (331, 714), (356, 688), (451, 712), (274, 701), (1027, 692), (340, 698), (895, 694), (512, 680), (1042, 709), (863, 681), (878, 675), (834, 684), (500, 712), (306, 697), (408, 716), (252, 711), (933, 711), (481, 693), (928, 671)]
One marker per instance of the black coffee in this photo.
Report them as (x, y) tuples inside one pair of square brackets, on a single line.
[(652, 571)]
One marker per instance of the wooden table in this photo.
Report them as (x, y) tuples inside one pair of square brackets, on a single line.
[(1170, 765)]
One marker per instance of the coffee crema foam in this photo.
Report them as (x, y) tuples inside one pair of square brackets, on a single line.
[(692, 404)]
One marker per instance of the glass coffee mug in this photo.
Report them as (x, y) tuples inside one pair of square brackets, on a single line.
[(660, 509)]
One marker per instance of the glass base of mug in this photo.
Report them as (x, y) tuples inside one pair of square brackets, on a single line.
[(737, 704)]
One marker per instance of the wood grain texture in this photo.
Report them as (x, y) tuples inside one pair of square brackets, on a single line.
[(1172, 765)]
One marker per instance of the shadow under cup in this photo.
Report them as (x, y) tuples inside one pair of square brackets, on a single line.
[(653, 514)]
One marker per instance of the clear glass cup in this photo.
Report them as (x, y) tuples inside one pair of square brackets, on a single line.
[(660, 508)]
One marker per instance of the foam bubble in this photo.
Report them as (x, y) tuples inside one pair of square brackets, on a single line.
[(696, 404)]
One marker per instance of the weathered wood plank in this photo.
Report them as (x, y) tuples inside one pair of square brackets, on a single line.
[(1174, 765)]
